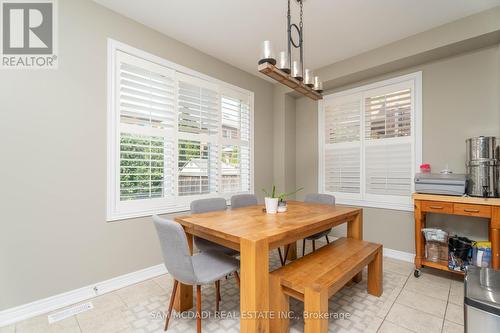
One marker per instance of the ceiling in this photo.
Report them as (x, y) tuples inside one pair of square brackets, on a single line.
[(233, 30)]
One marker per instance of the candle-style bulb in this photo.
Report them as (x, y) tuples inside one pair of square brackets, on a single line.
[(297, 70), (318, 85), (308, 78), (283, 63), (267, 53)]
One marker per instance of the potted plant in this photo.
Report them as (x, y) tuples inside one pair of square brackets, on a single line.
[(276, 203), (282, 206), (271, 201)]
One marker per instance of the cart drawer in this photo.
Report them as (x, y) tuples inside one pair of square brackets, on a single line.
[(472, 210), (437, 207)]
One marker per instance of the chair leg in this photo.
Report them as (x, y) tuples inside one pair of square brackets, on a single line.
[(304, 247), (171, 304), (217, 295), (198, 309), (314, 245), (281, 256), (237, 277), (287, 248), (327, 240)]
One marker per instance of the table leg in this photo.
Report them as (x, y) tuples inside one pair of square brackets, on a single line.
[(254, 300), (355, 230), (184, 296)]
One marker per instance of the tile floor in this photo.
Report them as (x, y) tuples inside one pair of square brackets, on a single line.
[(431, 303)]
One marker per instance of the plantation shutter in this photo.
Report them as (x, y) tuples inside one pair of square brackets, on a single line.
[(235, 138), (389, 169), (388, 115), (368, 144), (174, 136), (388, 148), (146, 110), (198, 106), (199, 126), (342, 169), (343, 120)]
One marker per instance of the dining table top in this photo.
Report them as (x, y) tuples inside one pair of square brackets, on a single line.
[(254, 233), (252, 223)]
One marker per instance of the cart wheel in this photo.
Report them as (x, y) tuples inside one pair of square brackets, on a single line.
[(417, 273)]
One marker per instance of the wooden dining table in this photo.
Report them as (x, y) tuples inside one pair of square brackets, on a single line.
[(254, 233)]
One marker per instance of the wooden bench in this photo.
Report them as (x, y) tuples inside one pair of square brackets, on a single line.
[(314, 278)]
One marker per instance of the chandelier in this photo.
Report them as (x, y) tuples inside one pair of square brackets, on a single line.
[(286, 70)]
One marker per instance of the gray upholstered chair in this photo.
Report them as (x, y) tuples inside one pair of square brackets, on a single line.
[(243, 200), (200, 269), (204, 206), (325, 199)]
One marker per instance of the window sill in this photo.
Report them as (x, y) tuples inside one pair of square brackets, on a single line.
[(169, 208), (113, 217), (374, 204)]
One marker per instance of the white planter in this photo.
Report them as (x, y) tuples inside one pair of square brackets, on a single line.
[(271, 205)]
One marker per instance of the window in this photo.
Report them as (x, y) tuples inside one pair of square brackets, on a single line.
[(175, 135), (370, 143)]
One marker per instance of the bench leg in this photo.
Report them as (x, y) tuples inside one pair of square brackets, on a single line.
[(279, 304), (375, 275), (315, 311), (358, 277)]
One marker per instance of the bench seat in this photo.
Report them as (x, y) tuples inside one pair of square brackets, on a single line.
[(315, 277)]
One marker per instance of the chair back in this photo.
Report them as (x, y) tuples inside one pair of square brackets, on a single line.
[(175, 250), (243, 200), (208, 205), (325, 199)]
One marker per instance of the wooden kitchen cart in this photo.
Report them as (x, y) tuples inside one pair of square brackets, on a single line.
[(466, 206)]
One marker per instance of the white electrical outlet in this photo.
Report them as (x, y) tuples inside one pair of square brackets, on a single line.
[(66, 313)]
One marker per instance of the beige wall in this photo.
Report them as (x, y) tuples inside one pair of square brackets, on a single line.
[(306, 143), (284, 140), (279, 107), (53, 233), (289, 145), (460, 100)]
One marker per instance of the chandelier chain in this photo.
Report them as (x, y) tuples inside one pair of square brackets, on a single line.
[(301, 24)]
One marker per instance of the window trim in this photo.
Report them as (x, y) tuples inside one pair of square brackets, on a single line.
[(149, 207), (416, 79)]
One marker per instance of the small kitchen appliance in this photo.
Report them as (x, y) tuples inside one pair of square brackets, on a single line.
[(482, 165), (438, 183)]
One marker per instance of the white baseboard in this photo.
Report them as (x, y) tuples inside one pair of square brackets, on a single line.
[(400, 255), (390, 253), (48, 304)]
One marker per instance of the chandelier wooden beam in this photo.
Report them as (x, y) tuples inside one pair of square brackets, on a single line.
[(274, 73)]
